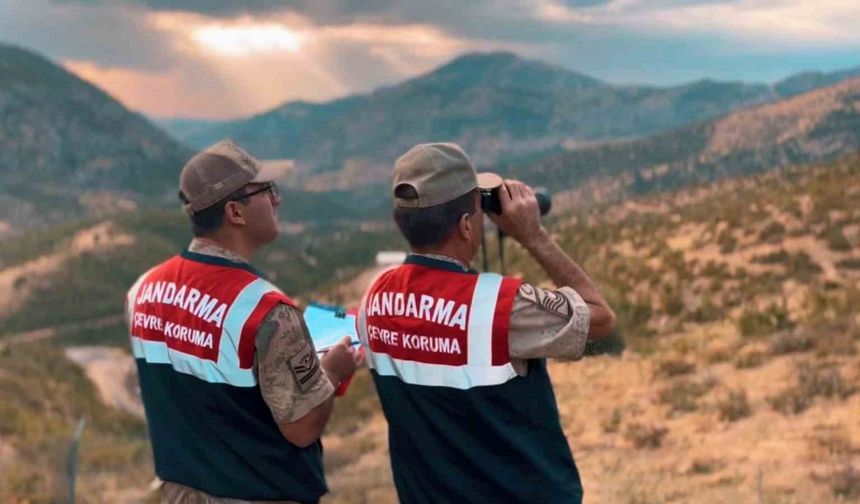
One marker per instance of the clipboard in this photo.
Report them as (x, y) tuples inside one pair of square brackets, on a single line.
[(328, 325)]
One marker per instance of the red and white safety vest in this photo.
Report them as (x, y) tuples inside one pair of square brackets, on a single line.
[(437, 327)]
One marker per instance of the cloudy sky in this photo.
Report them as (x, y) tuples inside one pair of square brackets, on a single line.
[(225, 59)]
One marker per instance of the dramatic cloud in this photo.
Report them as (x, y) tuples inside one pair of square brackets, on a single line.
[(228, 58)]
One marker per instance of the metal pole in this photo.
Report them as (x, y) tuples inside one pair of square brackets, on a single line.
[(72, 459)]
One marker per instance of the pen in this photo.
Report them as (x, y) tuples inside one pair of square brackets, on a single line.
[(324, 350)]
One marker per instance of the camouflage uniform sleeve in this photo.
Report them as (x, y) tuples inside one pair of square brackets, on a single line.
[(288, 368), (548, 323)]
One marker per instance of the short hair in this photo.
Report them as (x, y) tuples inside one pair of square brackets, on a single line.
[(431, 226), (210, 219)]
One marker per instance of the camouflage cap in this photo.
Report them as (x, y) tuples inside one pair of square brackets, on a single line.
[(438, 172), (215, 173)]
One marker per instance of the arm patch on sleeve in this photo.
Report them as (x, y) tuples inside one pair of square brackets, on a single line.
[(546, 300), (305, 367)]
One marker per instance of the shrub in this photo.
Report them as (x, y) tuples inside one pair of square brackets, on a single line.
[(705, 465), (612, 424), (790, 342), (674, 366), (801, 267), (837, 339), (645, 435), (811, 382), (713, 269), (633, 316), (850, 263), (734, 406), (772, 233), (749, 359), (683, 395), (727, 242), (777, 257), (673, 302), (836, 240), (790, 401), (845, 482), (758, 323)]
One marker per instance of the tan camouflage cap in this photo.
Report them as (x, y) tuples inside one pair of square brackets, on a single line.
[(439, 173), (217, 172)]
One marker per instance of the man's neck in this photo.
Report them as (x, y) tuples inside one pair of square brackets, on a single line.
[(442, 257), (215, 247)]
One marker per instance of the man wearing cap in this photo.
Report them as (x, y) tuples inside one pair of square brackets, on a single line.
[(234, 393), (458, 357)]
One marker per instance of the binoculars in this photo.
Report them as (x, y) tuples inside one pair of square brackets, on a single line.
[(489, 185)]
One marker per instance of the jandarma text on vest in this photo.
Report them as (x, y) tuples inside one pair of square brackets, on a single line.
[(173, 330), (434, 344), (204, 306), (429, 308)]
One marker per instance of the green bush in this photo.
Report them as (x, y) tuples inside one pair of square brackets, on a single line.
[(801, 267), (683, 395), (777, 257), (753, 323), (836, 239), (849, 263), (772, 233)]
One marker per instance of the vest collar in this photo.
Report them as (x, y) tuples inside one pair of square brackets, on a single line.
[(219, 261), (433, 262)]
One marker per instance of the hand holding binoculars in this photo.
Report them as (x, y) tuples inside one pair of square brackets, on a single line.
[(489, 185), (518, 223)]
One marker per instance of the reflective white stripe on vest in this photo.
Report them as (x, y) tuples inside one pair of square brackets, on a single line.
[(480, 327), (226, 370), (478, 372), (240, 310)]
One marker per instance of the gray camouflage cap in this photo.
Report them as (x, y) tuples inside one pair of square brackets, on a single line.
[(438, 172), (217, 172)]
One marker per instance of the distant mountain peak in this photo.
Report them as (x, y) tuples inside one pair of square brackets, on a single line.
[(507, 66), (485, 57)]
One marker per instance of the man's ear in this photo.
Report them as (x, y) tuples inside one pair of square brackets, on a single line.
[(464, 227), (234, 213)]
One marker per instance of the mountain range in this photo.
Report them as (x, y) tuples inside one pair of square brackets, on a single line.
[(67, 147), (69, 150), (818, 125), (499, 106)]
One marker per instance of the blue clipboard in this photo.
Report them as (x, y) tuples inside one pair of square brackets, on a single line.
[(328, 325)]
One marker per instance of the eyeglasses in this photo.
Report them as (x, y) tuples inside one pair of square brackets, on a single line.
[(271, 187)]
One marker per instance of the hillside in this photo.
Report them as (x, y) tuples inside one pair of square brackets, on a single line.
[(738, 301), (71, 280), (739, 304), (498, 106), (69, 149), (819, 125)]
